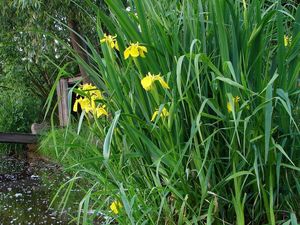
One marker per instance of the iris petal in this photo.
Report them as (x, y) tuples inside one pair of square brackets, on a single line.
[(134, 52), (126, 53), (163, 83), (147, 82), (75, 106), (154, 116)]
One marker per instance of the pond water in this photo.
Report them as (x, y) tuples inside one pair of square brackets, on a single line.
[(26, 190)]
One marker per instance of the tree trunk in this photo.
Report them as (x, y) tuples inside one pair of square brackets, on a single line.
[(79, 47)]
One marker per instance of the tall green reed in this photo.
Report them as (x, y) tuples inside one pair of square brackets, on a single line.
[(228, 150)]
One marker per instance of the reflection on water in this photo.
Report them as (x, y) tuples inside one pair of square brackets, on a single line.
[(26, 190)]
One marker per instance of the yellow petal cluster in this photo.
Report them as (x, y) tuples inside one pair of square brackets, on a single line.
[(115, 207), (110, 40), (287, 40), (135, 50), (235, 100), (147, 82), (88, 102), (164, 113)]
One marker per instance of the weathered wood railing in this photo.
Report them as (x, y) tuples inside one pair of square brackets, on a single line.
[(18, 138)]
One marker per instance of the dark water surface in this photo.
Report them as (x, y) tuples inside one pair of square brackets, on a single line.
[(26, 190)]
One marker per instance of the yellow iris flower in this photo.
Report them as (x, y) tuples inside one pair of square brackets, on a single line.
[(115, 207), (110, 40), (135, 50), (235, 100), (100, 111), (91, 91), (164, 113), (88, 102), (147, 82), (229, 107), (287, 40), (84, 103)]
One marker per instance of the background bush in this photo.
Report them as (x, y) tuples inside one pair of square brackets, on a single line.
[(19, 106)]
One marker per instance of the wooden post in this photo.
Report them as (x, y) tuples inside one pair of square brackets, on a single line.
[(62, 96)]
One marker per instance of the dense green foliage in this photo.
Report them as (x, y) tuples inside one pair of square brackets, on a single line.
[(30, 57), (19, 107), (228, 151)]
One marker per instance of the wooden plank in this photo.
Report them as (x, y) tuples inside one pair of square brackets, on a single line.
[(73, 80), (18, 138)]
